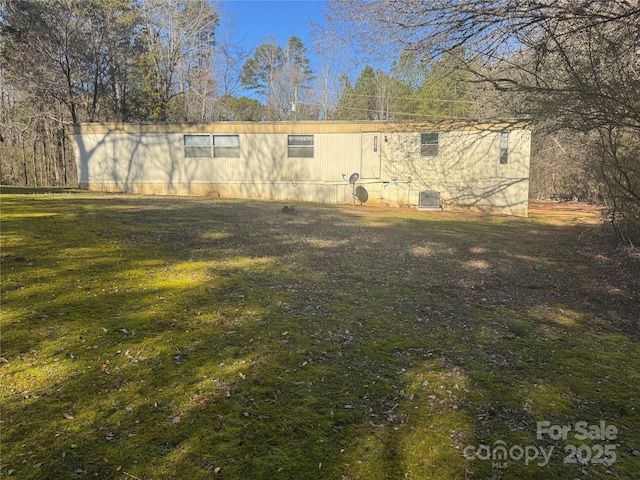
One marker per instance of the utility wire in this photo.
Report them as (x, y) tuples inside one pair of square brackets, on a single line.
[(389, 114), (391, 97)]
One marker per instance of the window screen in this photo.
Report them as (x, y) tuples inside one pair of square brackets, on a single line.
[(197, 146), (429, 144), (226, 146), (300, 146)]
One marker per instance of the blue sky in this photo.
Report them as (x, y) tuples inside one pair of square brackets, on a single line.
[(256, 20)]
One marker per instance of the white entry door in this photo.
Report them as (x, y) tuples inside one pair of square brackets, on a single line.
[(370, 156)]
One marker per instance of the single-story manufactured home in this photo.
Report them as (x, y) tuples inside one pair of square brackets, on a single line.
[(479, 165)]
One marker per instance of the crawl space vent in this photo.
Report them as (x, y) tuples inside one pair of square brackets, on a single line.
[(429, 200)]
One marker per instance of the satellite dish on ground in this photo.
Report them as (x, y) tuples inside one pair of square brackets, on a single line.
[(362, 194), (354, 178)]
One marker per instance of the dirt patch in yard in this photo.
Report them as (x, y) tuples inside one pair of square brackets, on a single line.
[(570, 212)]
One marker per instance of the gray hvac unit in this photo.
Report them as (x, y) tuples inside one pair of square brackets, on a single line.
[(429, 200)]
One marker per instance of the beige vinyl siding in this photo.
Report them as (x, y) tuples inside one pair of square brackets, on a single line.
[(338, 154), (126, 159), (467, 171), (151, 158)]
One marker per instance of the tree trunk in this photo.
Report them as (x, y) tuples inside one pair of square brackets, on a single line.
[(35, 163), (24, 161)]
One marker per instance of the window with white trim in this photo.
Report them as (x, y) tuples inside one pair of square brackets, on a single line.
[(429, 144), (300, 146), (227, 146), (197, 146), (212, 146)]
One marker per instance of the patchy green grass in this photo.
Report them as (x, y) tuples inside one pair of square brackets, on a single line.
[(162, 338), (519, 328)]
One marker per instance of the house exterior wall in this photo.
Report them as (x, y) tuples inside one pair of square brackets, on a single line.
[(150, 159), (467, 171)]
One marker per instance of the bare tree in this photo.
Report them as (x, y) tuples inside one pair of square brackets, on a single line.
[(334, 62), (539, 46), (179, 37), (227, 74), (278, 74)]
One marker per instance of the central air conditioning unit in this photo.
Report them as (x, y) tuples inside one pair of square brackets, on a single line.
[(429, 200)]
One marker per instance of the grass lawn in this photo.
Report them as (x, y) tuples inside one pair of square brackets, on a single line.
[(187, 338)]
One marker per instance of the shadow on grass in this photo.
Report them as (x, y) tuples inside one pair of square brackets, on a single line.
[(11, 190), (176, 338)]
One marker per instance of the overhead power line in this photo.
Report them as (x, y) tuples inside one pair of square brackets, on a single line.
[(390, 97), (386, 113)]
